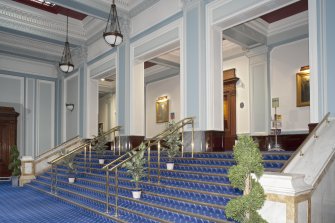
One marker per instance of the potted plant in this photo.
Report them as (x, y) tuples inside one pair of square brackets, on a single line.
[(248, 161), (71, 167), (135, 168), (15, 165), (172, 145), (100, 146)]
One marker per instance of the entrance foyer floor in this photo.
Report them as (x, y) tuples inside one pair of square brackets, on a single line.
[(26, 205)]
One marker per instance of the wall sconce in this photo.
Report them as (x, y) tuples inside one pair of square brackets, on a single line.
[(69, 107), (305, 69)]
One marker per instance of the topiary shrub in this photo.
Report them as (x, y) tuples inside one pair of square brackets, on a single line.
[(248, 161)]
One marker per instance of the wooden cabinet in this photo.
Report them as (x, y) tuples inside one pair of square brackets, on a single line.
[(8, 129)]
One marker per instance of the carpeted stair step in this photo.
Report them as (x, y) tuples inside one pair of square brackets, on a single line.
[(147, 204), (197, 190), (195, 181)]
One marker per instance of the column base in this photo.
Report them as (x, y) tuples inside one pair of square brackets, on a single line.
[(204, 141)]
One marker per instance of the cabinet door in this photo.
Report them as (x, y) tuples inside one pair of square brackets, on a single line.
[(8, 127), (5, 144)]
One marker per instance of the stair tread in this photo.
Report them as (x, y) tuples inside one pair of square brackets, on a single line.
[(197, 190)]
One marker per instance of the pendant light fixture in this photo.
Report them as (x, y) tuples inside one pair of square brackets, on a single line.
[(66, 64), (112, 34)]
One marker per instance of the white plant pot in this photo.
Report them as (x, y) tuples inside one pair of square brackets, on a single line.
[(71, 180), (169, 166), (101, 161), (137, 194)]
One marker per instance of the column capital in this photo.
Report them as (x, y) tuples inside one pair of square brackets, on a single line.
[(125, 27), (257, 51), (185, 4), (79, 55)]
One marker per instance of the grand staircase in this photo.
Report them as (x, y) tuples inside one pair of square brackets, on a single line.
[(197, 190)]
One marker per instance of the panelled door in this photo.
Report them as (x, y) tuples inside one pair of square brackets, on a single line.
[(229, 103)]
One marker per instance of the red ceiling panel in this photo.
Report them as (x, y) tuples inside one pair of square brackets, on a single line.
[(54, 9), (285, 12)]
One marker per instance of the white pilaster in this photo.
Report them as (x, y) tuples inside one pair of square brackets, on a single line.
[(259, 93)]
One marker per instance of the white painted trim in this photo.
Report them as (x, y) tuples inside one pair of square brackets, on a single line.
[(324, 67), (79, 105), (63, 109), (155, 52), (107, 59), (210, 70), (248, 13), (182, 71), (146, 40), (37, 113), (53, 114), (117, 90), (33, 115), (315, 109)]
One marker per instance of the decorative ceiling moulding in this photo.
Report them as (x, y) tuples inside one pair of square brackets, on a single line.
[(289, 23), (141, 7), (223, 13), (19, 17), (32, 49)]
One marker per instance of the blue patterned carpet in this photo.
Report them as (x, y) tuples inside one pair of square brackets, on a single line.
[(27, 205)]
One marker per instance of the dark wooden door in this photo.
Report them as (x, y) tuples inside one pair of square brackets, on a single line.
[(8, 128), (229, 103)]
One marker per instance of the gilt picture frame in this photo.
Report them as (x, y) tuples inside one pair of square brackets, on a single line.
[(303, 86), (162, 110)]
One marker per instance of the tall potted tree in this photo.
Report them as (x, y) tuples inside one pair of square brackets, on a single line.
[(15, 165), (100, 147), (135, 168), (172, 145), (248, 161)]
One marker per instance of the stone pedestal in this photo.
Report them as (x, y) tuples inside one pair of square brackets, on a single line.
[(27, 170)]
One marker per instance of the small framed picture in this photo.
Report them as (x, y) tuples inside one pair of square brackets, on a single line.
[(303, 97), (162, 109)]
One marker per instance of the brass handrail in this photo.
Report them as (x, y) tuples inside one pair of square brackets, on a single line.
[(308, 138), (54, 148), (157, 140), (85, 146)]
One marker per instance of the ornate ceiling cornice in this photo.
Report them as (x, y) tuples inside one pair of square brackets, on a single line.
[(31, 46), (14, 17)]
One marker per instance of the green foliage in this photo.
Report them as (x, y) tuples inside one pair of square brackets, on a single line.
[(135, 166), (99, 145), (249, 160), (14, 161), (70, 164), (173, 143)]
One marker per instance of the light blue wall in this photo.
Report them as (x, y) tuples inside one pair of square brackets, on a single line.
[(45, 116), (72, 97), (122, 87), (192, 62), (19, 90)]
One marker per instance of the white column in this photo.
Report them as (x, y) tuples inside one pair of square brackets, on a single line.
[(214, 76), (322, 56), (259, 93), (193, 84), (137, 116)]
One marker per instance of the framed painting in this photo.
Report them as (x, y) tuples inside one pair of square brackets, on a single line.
[(303, 96), (162, 109)]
